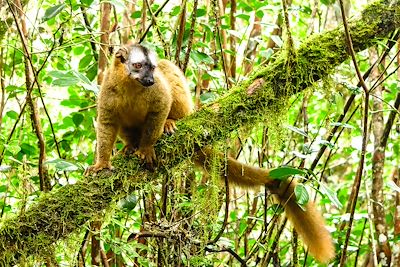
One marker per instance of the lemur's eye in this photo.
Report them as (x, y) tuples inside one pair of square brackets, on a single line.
[(137, 65)]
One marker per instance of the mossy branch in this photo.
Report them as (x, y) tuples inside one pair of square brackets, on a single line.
[(62, 211)]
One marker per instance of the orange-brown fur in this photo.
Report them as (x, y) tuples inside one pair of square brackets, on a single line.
[(136, 113), (308, 223), (124, 103)]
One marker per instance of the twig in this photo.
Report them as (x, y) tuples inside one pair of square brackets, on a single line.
[(225, 223), (268, 257), (371, 228), (191, 34), (349, 102), (89, 28), (82, 249), (154, 22), (390, 121), (151, 24), (233, 253), (357, 180), (181, 32), (217, 35), (36, 74), (289, 41), (30, 81)]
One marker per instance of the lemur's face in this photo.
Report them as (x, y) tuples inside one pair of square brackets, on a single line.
[(140, 63)]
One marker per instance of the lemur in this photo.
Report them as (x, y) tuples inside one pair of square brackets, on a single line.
[(142, 97)]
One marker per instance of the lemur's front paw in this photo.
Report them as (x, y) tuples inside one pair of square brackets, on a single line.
[(148, 155), (170, 126), (94, 169)]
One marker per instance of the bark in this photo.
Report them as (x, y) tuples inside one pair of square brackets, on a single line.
[(32, 103), (378, 162), (232, 41), (396, 219), (104, 39), (60, 212)]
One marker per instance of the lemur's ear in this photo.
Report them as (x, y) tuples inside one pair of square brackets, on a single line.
[(122, 54)]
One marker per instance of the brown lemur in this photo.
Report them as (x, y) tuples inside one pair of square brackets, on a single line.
[(140, 98)]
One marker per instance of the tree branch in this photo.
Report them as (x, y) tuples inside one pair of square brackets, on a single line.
[(60, 212)]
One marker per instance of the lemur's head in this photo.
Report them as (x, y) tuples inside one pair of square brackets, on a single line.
[(139, 62)]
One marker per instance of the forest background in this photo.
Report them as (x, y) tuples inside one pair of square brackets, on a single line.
[(329, 113)]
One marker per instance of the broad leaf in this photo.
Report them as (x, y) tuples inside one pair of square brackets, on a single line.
[(53, 11), (301, 194), (283, 172)]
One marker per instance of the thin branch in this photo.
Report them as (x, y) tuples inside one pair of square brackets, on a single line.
[(36, 81), (226, 216), (89, 28), (191, 35), (390, 121), (30, 79), (151, 24), (154, 22), (217, 35), (181, 32), (359, 174), (233, 253), (350, 100)]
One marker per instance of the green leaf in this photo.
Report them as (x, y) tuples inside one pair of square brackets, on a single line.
[(12, 114), (137, 14), (129, 203), (199, 57), (276, 208), (344, 125), (327, 2), (326, 191), (6, 208), (5, 168), (53, 11), (63, 165), (297, 130), (13, 88), (243, 17), (64, 78), (282, 173), (77, 50), (259, 14), (28, 149), (207, 97), (13, 147), (339, 101), (201, 12), (3, 188), (175, 10), (86, 83), (87, 3), (326, 143), (301, 194), (77, 118), (85, 62)]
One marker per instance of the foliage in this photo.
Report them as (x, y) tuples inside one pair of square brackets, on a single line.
[(183, 211)]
